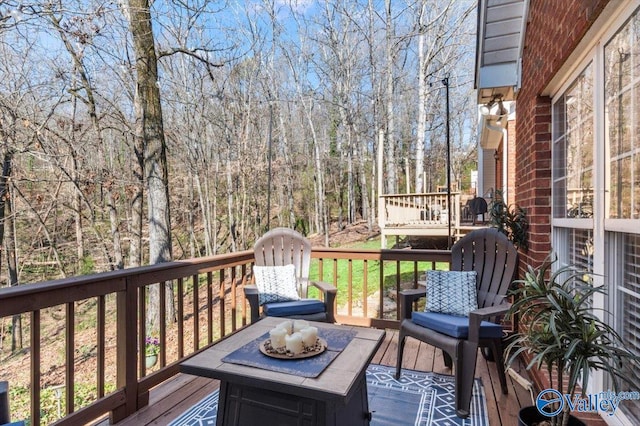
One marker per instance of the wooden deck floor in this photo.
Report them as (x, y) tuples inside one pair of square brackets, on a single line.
[(170, 399)]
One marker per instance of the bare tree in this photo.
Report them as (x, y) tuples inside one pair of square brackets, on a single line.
[(150, 137), (128, 114), (391, 141)]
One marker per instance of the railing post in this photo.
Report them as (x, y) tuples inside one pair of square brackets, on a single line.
[(457, 213), (127, 354), (5, 417)]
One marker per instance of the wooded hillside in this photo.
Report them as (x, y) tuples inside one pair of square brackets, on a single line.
[(271, 113)]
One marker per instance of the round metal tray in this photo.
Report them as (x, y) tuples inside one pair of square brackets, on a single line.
[(320, 346)]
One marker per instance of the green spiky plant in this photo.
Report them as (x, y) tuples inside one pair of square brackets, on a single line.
[(563, 335), (511, 220)]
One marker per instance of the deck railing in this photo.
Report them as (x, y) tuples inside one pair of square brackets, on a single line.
[(427, 209), (97, 322)]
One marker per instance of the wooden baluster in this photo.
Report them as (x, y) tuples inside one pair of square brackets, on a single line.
[(233, 299), (320, 269), (100, 344), (180, 317), (163, 322), (143, 292), (222, 304), (365, 290), (243, 271), (35, 367), (350, 287), (70, 357), (196, 314), (210, 306)]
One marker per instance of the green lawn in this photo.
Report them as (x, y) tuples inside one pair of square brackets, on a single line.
[(390, 270)]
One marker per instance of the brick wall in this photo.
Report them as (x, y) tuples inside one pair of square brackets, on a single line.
[(554, 28)]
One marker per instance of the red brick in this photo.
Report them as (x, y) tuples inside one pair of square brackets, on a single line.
[(554, 29)]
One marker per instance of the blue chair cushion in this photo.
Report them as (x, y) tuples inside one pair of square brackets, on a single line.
[(455, 326), (297, 307)]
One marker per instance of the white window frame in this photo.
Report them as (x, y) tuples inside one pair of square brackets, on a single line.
[(591, 50)]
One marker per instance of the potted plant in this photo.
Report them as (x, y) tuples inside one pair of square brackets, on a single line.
[(151, 351), (562, 334), (511, 220)]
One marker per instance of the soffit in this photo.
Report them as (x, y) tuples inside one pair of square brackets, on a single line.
[(501, 26)]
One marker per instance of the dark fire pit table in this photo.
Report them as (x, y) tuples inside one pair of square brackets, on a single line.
[(328, 389)]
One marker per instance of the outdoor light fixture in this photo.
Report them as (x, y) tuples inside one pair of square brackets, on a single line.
[(502, 111), (488, 109)]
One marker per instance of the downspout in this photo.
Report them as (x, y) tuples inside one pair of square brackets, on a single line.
[(505, 140), (490, 126), (505, 162)]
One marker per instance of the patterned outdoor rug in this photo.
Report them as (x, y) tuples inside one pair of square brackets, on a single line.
[(418, 398)]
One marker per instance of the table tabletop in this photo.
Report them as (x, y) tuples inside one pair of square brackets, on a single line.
[(337, 381)]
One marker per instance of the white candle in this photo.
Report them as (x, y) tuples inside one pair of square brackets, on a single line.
[(294, 343), (287, 326), (299, 325), (309, 336), (277, 337)]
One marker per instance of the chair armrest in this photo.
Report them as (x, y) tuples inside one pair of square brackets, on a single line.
[(476, 317), (324, 286), (250, 289), (406, 299), (491, 311), (329, 292), (251, 293)]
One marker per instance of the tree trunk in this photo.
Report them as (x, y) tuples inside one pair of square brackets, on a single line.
[(323, 222), (390, 159), (205, 211), (362, 182), (116, 261), (4, 192), (290, 172), (377, 125), (77, 200), (230, 215), (149, 130), (137, 192), (422, 95), (214, 213), (12, 263), (191, 213), (115, 232)]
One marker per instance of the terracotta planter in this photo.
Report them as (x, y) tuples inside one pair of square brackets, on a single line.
[(530, 416)]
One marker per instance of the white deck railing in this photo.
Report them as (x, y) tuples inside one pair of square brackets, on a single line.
[(427, 209)]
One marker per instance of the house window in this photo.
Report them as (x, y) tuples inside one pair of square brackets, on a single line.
[(575, 248), (622, 148), (573, 149), (596, 177), (622, 91), (623, 274)]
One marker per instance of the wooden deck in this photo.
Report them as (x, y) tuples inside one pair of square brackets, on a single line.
[(170, 399)]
